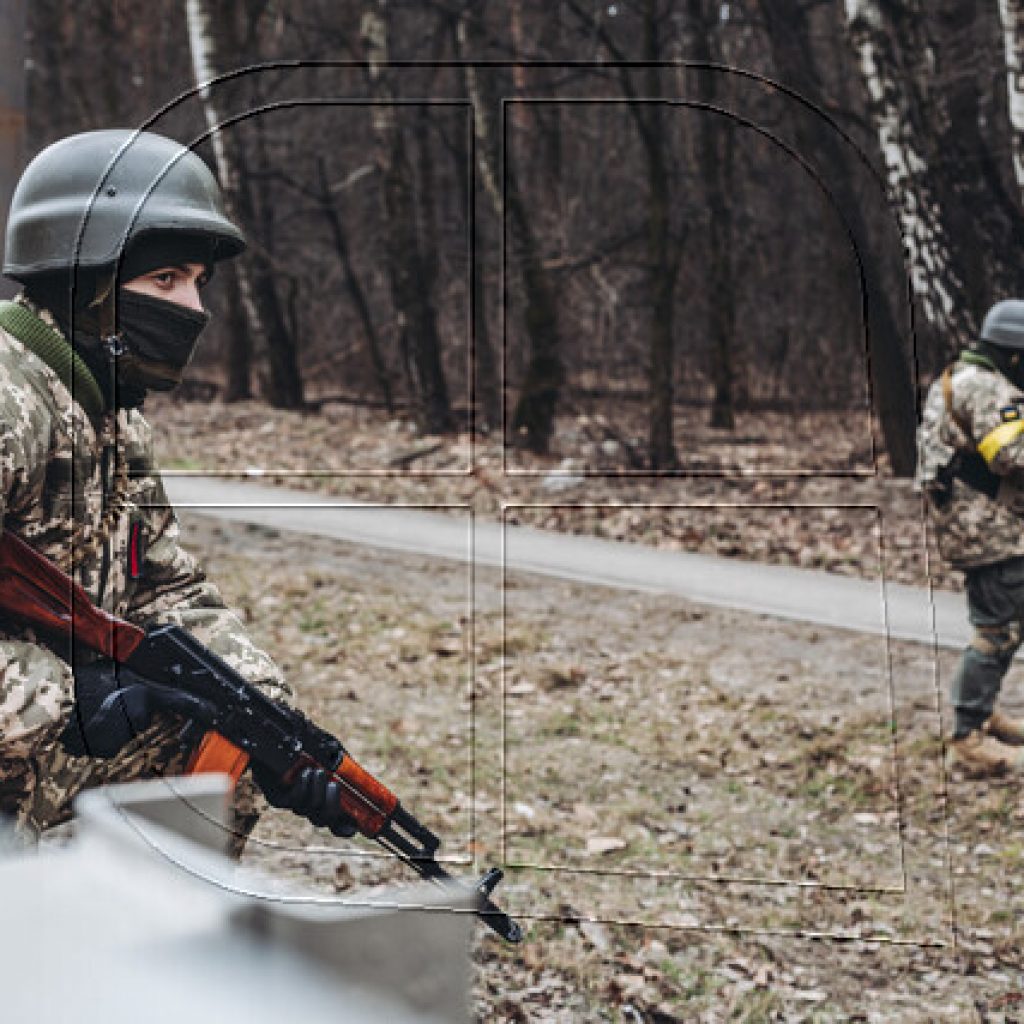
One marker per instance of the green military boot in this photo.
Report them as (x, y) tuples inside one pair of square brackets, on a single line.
[(1005, 729), (981, 754)]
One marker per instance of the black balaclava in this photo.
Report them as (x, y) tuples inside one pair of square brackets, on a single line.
[(1009, 362), (154, 339)]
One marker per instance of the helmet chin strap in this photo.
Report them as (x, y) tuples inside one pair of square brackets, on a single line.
[(111, 341), (112, 345)]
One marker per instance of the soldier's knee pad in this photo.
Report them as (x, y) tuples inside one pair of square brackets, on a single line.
[(997, 641)]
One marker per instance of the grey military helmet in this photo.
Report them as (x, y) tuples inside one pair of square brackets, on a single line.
[(1004, 325), (83, 199)]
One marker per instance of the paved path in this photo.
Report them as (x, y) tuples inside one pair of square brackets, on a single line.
[(907, 613)]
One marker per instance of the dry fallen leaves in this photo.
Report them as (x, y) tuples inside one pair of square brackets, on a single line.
[(598, 845)]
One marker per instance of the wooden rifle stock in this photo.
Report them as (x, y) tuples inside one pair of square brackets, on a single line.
[(34, 590)]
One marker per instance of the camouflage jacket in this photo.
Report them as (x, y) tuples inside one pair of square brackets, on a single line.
[(84, 491), (986, 415)]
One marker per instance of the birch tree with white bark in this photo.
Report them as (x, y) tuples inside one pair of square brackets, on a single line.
[(799, 63), (208, 25), (894, 55), (1011, 16)]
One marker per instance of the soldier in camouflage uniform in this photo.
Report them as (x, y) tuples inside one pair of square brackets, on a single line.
[(112, 234), (971, 467)]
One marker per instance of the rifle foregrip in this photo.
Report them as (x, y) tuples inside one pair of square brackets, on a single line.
[(367, 800), (217, 754)]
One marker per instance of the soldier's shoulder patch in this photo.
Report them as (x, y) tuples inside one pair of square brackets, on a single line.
[(1008, 413)]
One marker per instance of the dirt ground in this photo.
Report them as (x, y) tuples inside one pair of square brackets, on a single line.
[(705, 816)]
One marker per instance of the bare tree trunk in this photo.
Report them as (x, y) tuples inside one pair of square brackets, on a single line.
[(891, 386), (355, 290), (408, 268), (716, 164), (533, 419), (1011, 15), (485, 368), (518, 113), (663, 252), (722, 314), (893, 54), (664, 265), (207, 24)]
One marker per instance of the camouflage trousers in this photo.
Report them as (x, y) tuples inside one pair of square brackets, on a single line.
[(39, 781), (995, 602)]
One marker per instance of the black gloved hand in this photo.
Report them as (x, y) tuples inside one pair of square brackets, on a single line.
[(314, 795), (113, 705)]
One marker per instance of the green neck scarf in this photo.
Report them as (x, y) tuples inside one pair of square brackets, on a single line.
[(977, 359), (54, 349)]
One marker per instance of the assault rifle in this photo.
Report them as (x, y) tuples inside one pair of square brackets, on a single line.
[(244, 725)]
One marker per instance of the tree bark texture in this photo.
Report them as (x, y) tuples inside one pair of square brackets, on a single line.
[(409, 269), (533, 419), (208, 25), (893, 55), (924, 68), (662, 253), (663, 265), (716, 166), (486, 375), (355, 289), (889, 369), (1011, 15)]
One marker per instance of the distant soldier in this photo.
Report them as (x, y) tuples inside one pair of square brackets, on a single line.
[(113, 235), (970, 465)]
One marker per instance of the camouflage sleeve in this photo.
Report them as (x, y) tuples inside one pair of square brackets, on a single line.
[(36, 686), (994, 409), (174, 589), (935, 448), (36, 692)]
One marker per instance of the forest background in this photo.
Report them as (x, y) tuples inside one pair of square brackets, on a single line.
[(515, 212)]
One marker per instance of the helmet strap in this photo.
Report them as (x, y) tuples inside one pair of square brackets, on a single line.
[(106, 314)]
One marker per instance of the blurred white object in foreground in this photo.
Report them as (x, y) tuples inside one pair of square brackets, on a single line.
[(141, 917)]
